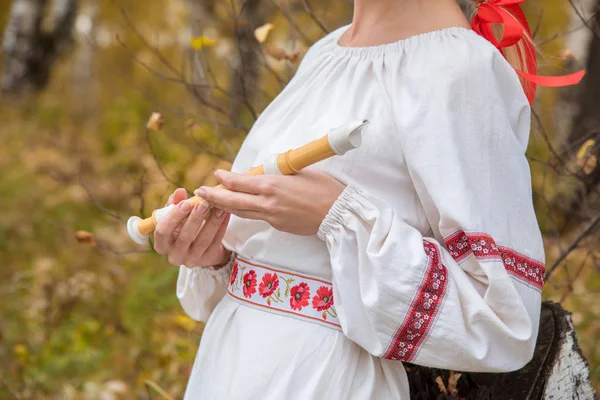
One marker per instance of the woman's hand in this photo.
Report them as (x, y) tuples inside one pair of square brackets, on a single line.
[(186, 238), (294, 203)]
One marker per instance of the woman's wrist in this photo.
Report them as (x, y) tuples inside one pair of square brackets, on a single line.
[(225, 261)]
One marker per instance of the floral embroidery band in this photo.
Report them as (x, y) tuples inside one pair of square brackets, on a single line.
[(460, 244), (278, 291), (423, 309)]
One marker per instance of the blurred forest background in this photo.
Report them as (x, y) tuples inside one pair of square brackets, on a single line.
[(88, 314)]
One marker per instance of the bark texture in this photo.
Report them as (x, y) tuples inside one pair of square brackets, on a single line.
[(30, 50), (558, 370)]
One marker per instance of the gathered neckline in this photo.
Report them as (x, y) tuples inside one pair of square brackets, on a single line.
[(398, 45)]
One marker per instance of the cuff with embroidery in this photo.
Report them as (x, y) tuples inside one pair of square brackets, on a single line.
[(219, 274), (335, 214)]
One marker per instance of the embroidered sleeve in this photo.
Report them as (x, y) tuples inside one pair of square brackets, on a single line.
[(465, 295)]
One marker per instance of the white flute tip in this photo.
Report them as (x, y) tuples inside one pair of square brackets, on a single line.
[(134, 233), (346, 137)]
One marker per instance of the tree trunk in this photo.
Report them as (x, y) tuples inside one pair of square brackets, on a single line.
[(558, 371), (85, 86), (246, 73), (30, 51), (578, 108)]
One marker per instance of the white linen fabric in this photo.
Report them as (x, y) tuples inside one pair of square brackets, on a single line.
[(433, 248)]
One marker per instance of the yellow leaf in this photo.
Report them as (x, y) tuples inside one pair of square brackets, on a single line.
[(585, 159), (202, 41), (262, 32), (584, 150), (21, 352), (184, 322)]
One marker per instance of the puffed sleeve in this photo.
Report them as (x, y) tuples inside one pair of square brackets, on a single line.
[(199, 289), (467, 294)]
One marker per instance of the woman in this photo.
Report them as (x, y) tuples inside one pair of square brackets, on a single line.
[(420, 246)]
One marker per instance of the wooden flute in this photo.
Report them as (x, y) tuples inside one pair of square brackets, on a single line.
[(338, 141)]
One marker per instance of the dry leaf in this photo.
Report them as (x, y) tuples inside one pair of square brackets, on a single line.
[(198, 43), (585, 159), (441, 386), (279, 54), (262, 32), (85, 237), (452, 382), (156, 122), (191, 124), (567, 54), (590, 164)]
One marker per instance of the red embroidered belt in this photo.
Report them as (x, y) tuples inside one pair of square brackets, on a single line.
[(283, 292)]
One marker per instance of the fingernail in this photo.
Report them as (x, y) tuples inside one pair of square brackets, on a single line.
[(186, 206), (200, 192), (202, 207), (219, 213)]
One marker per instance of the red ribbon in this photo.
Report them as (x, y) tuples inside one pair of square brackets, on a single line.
[(509, 14)]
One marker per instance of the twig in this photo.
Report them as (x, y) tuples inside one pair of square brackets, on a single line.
[(566, 33), (155, 157), (290, 19), (572, 246), (197, 95), (582, 18), (538, 24), (309, 11), (91, 196)]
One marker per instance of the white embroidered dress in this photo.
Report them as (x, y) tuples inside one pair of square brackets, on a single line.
[(433, 248)]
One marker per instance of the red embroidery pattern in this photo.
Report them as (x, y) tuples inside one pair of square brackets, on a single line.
[(269, 283), (249, 283), (234, 272), (281, 291), (323, 299), (422, 310), (299, 296), (482, 246)]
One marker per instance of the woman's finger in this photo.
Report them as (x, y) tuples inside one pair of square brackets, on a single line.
[(163, 234), (227, 199), (250, 214), (211, 233), (252, 184), (188, 233), (178, 196)]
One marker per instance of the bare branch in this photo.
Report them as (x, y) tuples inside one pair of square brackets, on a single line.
[(313, 16), (572, 246)]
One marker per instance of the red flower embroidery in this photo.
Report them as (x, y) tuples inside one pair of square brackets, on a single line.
[(268, 285), (234, 272), (299, 296), (323, 300), (249, 283)]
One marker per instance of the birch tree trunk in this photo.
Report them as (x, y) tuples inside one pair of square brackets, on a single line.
[(246, 72), (578, 118), (84, 83), (30, 51)]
